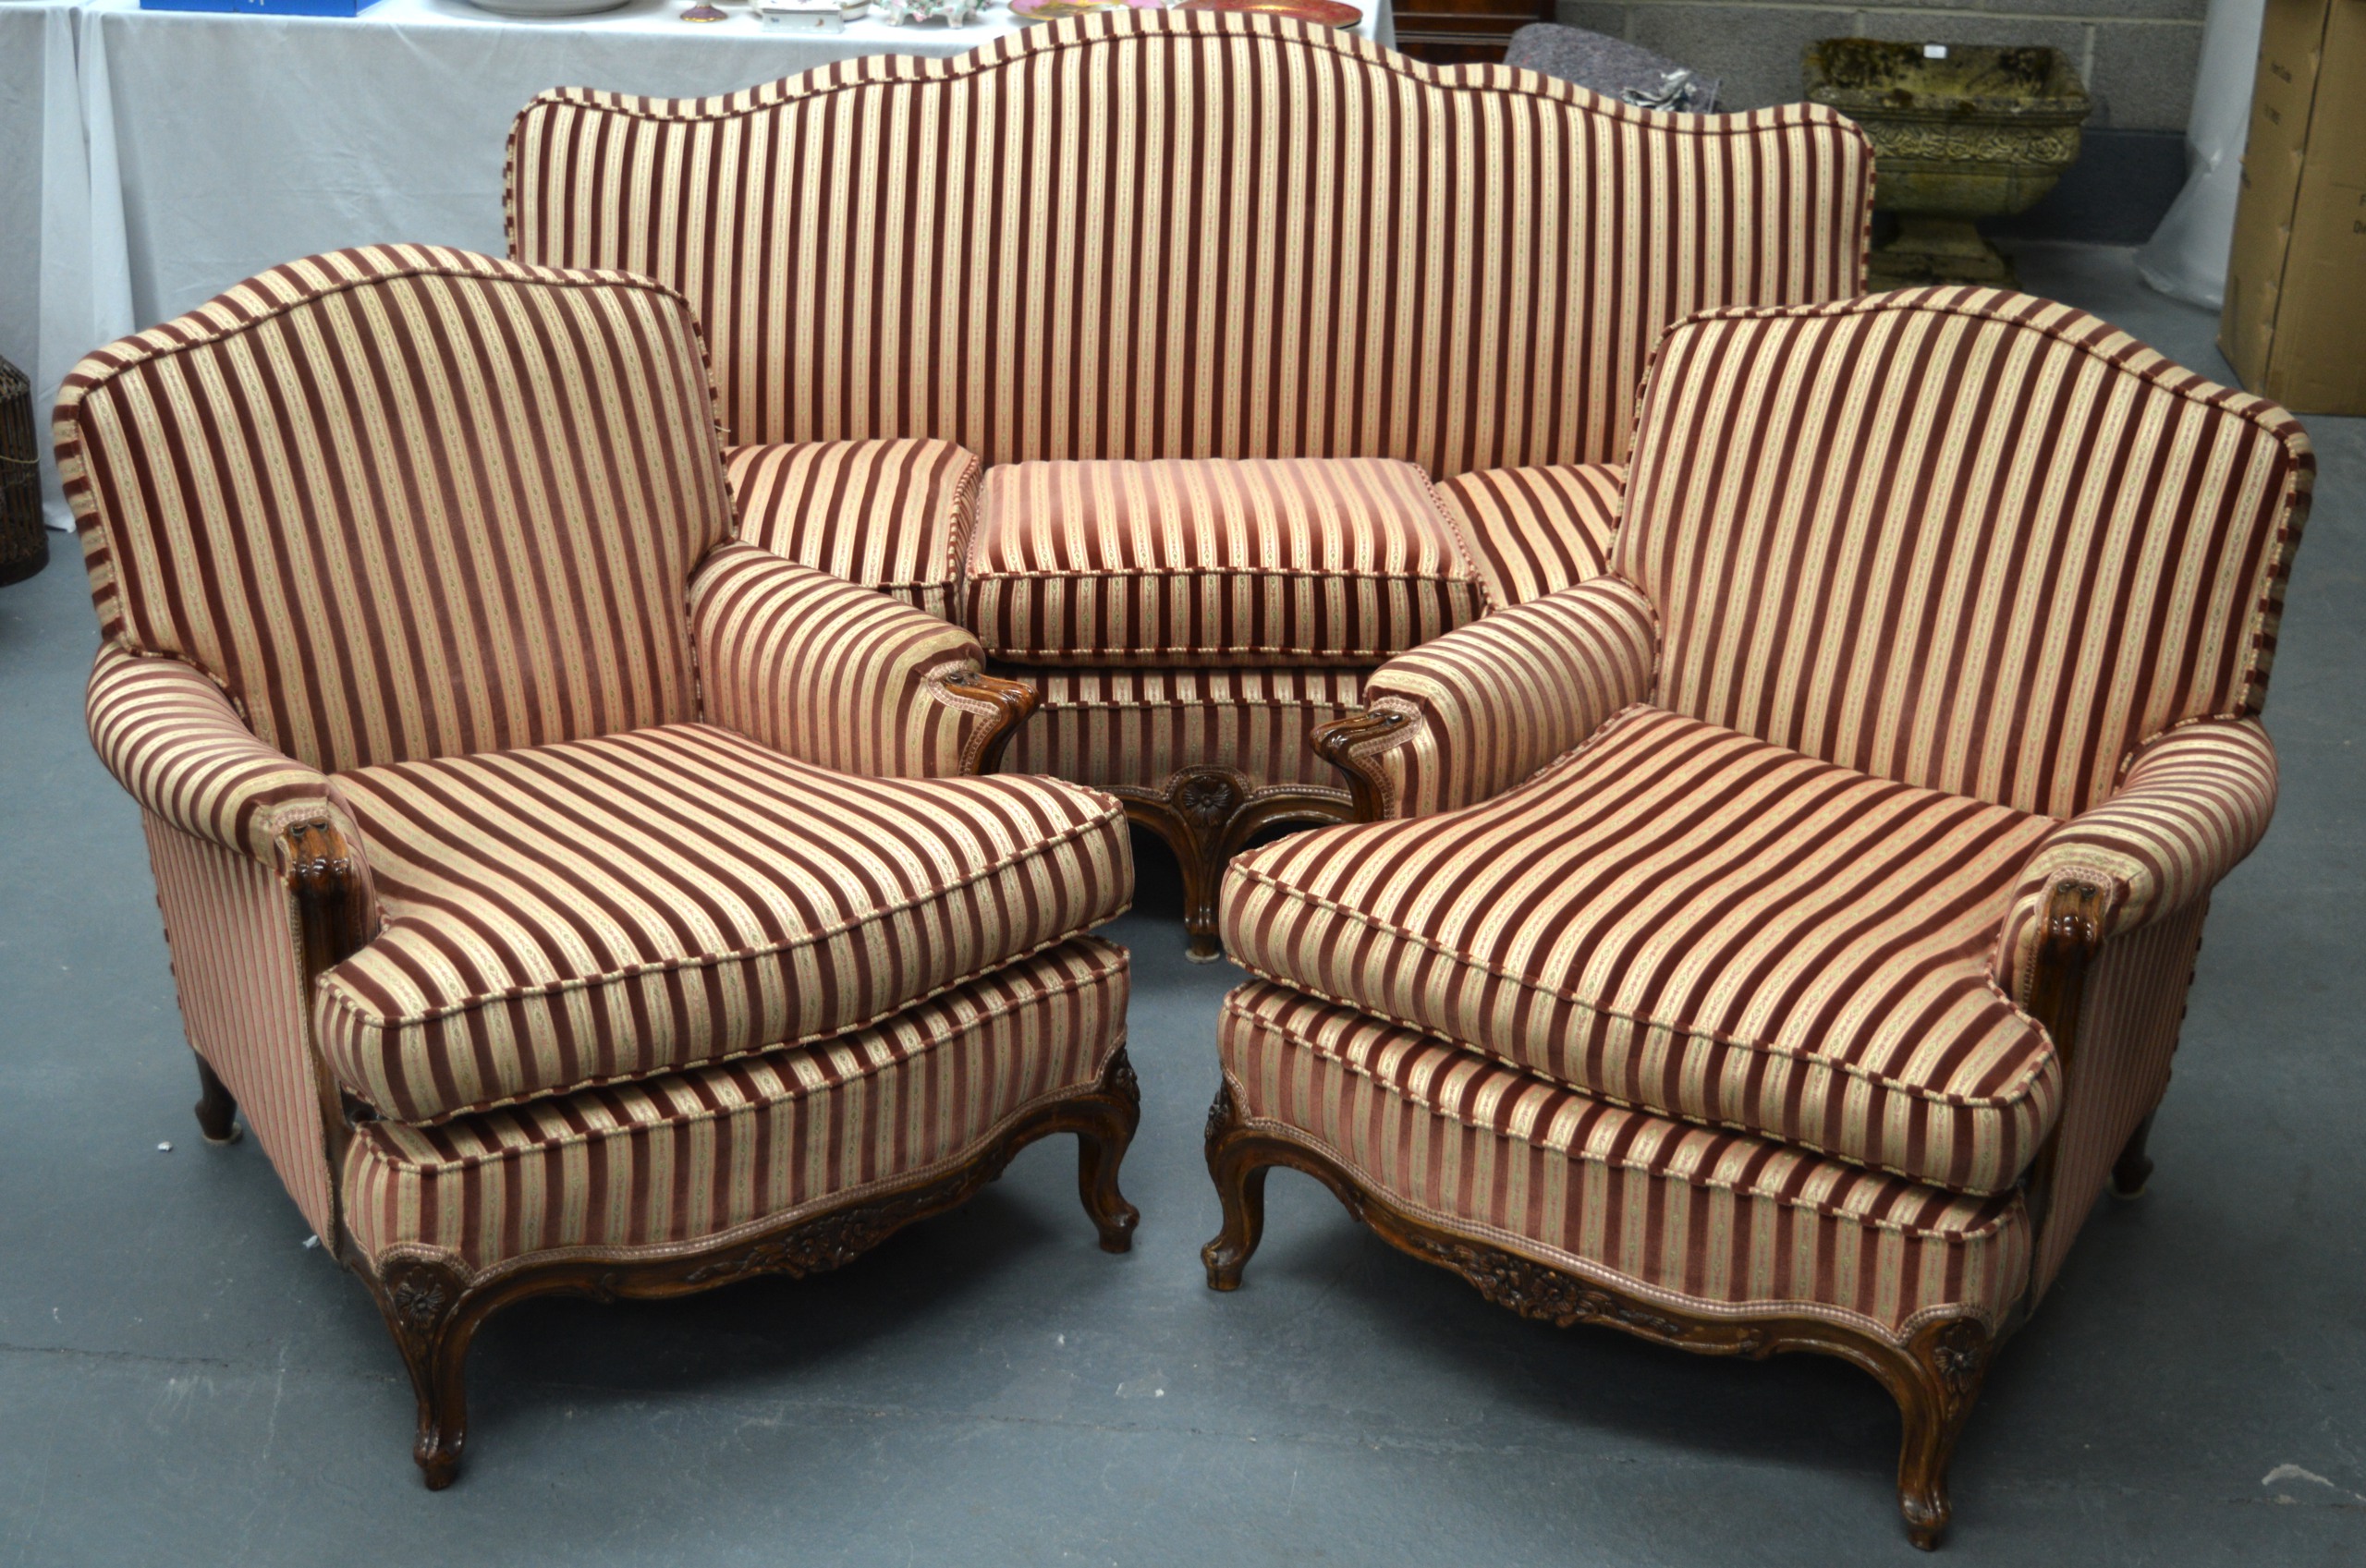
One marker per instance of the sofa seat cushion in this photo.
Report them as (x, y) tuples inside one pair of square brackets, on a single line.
[(1681, 917), (1705, 1219), (685, 1157), (889, 514), (1533, 531), (1209, 561), (1136, 729), (602, 910)]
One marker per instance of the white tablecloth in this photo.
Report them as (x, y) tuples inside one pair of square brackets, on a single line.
[(212, 146)]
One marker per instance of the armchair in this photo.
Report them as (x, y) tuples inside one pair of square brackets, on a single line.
[(573, 898), (1778, 942)]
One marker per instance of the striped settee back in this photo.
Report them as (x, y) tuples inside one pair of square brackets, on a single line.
[(405, 502), (1963, 539), (1186, 235)]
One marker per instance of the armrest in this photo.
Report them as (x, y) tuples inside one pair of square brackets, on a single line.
[(843, 676), (1483, 708), (2195, 801), (170, 736)]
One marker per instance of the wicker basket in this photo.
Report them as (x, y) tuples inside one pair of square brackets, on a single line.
[(24, 539)]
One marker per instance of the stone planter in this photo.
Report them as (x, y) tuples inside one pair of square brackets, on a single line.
[(1979, 132)]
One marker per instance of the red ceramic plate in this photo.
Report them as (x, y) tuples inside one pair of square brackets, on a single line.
[(1322, 13)]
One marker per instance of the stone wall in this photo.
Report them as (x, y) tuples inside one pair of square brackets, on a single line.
[(2138, 57)]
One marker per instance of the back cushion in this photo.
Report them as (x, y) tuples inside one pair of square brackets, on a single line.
[(407, 502), (1962, 539), (1186, 235)]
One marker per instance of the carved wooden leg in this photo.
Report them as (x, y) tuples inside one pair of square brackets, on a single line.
[(2133, 1170), (1238, 1172), (1101, 1148), (1934, 1380), (217, 1112), (421, 1299), (1205, 815)]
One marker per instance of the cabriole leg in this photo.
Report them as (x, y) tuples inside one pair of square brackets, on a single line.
[(2133, 1170), (421, 1299), (1935, 1382), (217, 1112), (1239, 1175), (1101, 1144)]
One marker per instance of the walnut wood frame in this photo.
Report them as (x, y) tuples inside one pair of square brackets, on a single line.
[(1934, 1376), (1207, 815), (1003, 705), (433, 1304)]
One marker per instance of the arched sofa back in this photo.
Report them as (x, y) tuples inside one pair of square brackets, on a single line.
[(1188, 234)]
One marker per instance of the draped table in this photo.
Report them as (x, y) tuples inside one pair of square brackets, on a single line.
[(216, 145)]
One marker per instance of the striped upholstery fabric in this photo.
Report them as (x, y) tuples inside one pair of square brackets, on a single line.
[(1536, 530), (166, 732), (816, 668), (1136, 728), (1685, 919), (2128, 1019), (1188, 234), (1669, 1210), (602, 910), (1290, 561), (690, 1156), (231, 927), (1970, 541), (297, 489), (889, 514), (2195, 803), (1490, 705)]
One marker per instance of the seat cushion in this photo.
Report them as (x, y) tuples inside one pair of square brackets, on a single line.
[(684, 1157), (602, 910), (889, 514), (1533, 531), (1136, 728), (1213, 561), (1667, 1210), (1683, 918)]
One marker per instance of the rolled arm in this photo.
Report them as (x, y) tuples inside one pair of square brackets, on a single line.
[(1469, 715), (170, 736), (2195, 801), (841, 677)]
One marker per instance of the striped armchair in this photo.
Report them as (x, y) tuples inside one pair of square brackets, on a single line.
[(1199, 363), (1778, 942), (574, 898)]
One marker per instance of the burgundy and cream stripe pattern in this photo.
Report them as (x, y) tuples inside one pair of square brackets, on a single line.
[(231, 927), (1137, 728), (1291, 562), (811, 666), (889, 514), (1918, 606), (1970, 540), (296, 488), (1713, 1221), (1279, 241), (656, 836), (1536, 530), (698, 1154), (1687, 920), (600, 911), (166, 729), (2195, 802), (1486, 707)]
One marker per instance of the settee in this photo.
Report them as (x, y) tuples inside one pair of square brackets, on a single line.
[(1198, 363)]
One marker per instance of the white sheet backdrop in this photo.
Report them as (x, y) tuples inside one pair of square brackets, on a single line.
[(183, 153), (2186, 256)]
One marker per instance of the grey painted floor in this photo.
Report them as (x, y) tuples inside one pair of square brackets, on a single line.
[(182, 1382)]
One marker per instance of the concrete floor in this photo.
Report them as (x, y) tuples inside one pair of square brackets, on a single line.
[(181, 1381)]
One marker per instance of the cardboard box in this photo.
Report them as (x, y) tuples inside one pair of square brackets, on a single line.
[(2294, 326)]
